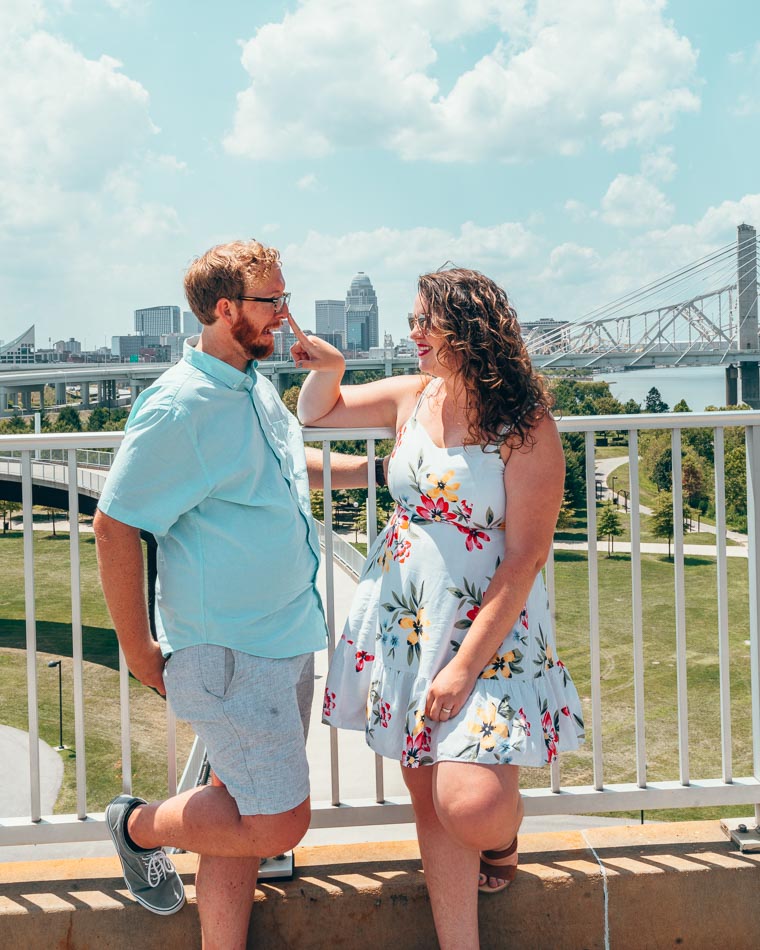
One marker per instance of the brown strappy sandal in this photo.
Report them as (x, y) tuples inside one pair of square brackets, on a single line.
[(493, 864)]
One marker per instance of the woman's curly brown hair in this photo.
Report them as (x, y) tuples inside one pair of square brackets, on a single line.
[(483, 343)]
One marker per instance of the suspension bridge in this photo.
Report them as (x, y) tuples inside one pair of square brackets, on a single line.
[(713, 321)]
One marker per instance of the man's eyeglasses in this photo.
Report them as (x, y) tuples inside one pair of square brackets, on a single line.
[(422, 321), (277, 302)]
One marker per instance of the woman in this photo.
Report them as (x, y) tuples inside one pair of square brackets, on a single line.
[(447, 660)]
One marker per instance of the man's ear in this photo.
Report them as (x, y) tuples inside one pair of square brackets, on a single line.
[(224, 310)]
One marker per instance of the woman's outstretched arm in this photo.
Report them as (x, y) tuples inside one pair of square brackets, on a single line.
[(324, 402)]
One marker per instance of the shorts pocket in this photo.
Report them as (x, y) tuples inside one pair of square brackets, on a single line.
[(217, 669)]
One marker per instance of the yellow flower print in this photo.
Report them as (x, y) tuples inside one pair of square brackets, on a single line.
[(419, 722), (499, 663), (415, 626), (486, 728), (384, 560), (549, 657), (442, 487)]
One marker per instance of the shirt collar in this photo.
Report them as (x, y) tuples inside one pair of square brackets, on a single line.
[(218, 369)]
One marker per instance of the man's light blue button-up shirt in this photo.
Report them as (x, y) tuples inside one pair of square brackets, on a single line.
[(213, 465)]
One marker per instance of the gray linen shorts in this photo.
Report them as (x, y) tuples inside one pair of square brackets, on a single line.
[(252, 713)]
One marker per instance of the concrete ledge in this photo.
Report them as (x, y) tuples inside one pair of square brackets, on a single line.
[(653, 881)]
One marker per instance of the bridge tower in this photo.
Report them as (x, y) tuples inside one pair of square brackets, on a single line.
[(746, 274)]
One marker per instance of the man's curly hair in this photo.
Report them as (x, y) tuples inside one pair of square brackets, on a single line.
[(227, 270), (483, 343)]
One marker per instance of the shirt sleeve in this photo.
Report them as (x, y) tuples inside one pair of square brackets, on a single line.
[(158, 473)]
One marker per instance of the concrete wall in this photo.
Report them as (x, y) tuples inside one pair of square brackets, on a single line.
[(656, 886)]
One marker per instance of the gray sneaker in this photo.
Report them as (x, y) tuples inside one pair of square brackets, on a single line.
[(151, 877)]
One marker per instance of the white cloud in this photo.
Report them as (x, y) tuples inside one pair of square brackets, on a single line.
[(74, 219), (334, 73), (632, 201), (571, 263), (308, 182), (565, 280), (170, 163), (659, 165)]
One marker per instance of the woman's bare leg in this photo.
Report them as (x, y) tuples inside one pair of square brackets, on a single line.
[(479, 805), (449, 868)]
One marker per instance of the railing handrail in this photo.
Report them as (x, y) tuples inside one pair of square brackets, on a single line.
[(600, 796)]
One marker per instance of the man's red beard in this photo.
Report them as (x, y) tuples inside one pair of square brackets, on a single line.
[(254, 344)]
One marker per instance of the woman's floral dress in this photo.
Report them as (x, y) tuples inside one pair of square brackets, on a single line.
[(420, 590)]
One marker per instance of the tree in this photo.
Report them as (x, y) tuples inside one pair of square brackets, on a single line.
[(68, 420), (290, 398), (99, 419), (632, 407), (6, 510), (681, 406), (566, 512), (661, 521), (662, 470), (654, 401), (608, 525), (13, 426)]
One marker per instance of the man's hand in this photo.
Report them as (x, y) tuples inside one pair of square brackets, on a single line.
[(312, 353), (148, 667)]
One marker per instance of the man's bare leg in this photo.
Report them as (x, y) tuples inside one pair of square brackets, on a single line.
[(206, 820), (224, 888)]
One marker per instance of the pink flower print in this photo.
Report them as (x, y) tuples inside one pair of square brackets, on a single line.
[(329, 703), (415, 746), (349, 642), (473, 612), (466, 509), (402, 552), (522, 720), (550, 736), (437, 510), (474, 537), (524, 617), (361, 657), (385, 714)]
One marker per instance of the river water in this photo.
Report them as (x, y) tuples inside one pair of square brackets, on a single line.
[(700, 386)]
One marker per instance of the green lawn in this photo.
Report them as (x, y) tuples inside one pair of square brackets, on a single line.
[(53, 610), (615, 623), (617, 733)]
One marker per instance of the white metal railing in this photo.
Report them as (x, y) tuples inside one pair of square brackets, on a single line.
[(375, 807)]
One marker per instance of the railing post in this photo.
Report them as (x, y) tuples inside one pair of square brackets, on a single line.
[(680, 608), (593, 612), (753, 532)]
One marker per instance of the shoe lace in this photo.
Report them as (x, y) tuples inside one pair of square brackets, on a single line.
[(158, 866)]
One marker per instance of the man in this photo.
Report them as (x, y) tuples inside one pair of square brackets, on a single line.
[(214, 466)]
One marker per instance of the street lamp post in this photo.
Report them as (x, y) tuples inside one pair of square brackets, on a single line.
[(60, 747), (613, 479)]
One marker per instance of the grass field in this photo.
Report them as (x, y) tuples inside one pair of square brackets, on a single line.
[(53, 609), (615, 620)]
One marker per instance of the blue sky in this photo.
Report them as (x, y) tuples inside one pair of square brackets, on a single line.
[(573, 150)]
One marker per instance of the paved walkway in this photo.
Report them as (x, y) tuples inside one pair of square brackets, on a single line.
[(16, 785), (604, 469)]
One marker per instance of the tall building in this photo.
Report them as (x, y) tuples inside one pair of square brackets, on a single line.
[(20, 350), (190, 323), (68, 346), (124, 348), (362, 321), (154, 321), (330, 316)]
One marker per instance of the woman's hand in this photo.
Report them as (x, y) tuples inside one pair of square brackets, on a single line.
[(312, 353), (449, 692)]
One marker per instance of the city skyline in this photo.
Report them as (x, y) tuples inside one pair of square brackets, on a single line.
[(391, 138)]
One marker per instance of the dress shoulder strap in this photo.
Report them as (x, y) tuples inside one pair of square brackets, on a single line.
[(434, 380)]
